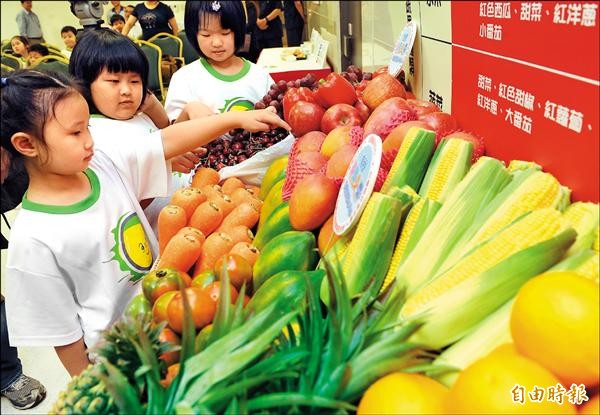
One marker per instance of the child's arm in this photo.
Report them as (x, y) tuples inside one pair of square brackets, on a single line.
[(154, 109), (173, 24), (186, 136), (129, 24), (73, 357)]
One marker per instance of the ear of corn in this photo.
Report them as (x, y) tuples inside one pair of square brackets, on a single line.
[(449, 165), (370, 250), (481, 184), (492, 332), (419, 217), (452, 305), (530, 189), (584, 218), (564, 199), (585, 263), (412, 159), (515, 165), (527, 231)]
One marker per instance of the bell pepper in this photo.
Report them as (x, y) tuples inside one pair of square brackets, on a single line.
[(335, 89), (294, 95)]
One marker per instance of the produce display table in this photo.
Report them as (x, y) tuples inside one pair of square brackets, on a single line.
[(275, 61)]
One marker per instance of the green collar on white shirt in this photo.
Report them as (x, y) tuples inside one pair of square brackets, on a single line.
[(74, 208), (227, 78)]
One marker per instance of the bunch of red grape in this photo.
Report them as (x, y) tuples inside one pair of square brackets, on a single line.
[(239, 145), (354, 74), (274, 97)]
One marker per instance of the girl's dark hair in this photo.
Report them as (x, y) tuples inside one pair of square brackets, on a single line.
[(28, 100), (105, 48), (23, 40), (231, 14), (67, 29)]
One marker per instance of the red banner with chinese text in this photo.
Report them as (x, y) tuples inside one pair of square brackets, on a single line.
[(530, 114), (562, 35)]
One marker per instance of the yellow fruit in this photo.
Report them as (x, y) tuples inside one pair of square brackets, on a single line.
[(555, 321), (591, 407), (489, 385), (403, 393)]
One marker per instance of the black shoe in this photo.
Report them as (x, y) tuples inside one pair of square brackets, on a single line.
[(25, 392)]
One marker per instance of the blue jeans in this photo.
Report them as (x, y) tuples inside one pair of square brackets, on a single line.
[(10, 367)]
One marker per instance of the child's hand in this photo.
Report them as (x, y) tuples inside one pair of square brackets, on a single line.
[(185, 163), (261, 120)]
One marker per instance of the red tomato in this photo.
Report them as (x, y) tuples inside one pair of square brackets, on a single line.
[(202, 306), (168, 336), (294, 95), (214, 292), (238, 269), (304, 117), (162, 280)]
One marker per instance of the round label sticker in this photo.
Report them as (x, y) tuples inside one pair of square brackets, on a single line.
[(357, 185), (402, 49)]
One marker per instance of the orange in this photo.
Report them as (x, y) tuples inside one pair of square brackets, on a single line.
[(555, 321), (488, 385), (403, 393), (591, 407)]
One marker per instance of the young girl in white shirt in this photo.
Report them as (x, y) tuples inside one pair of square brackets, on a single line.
[(81, 234), (113, 72), (220, 79)]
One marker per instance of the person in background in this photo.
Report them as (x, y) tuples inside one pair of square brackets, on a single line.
[(293, 12), (269, 24), (69, 37), (154, 17), (22, 391), (36, 52), (115, 9), (29, 23), (136, 30), (117, 22), (219, 79), (250, 50), (20, 47)]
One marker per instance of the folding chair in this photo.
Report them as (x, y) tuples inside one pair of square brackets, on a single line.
[(52, 63), (189, 53), (12, 61), (154, 55)]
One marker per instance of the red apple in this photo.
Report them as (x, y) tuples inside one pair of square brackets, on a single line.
[(339, 115), (310, 141), (305, 117), (363, 110), (422, 107)]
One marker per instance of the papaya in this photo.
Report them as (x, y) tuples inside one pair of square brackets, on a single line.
[(275, 224), (289, 251), (274, 173), (272, 200), (287, 289)]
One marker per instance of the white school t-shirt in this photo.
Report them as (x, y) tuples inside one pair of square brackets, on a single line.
[(68, 267), (199, 81), (108, 133)]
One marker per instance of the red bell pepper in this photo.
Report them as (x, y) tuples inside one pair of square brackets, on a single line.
[(335, 89), (294, 95)]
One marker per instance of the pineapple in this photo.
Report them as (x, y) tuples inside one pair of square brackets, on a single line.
[(86, 393)]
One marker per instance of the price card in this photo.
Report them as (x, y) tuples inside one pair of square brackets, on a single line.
[(357, 185), (402, 49)]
